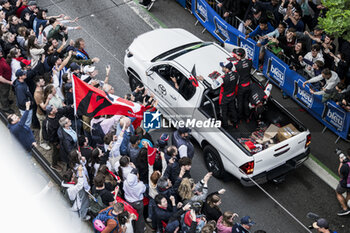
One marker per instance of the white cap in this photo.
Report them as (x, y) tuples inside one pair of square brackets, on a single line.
[(88, 69)]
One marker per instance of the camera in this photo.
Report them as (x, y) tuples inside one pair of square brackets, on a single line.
[(123, 217), (62, 28), (43, 9), (340, 154), (312, 216), (196, 206)]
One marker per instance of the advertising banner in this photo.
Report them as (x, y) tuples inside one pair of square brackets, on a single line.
[(302, 95), (334, 116), (201, 10), (276, 70), (221, 29), (213, 23)]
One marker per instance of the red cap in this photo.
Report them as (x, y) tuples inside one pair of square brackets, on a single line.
[(26, 62)]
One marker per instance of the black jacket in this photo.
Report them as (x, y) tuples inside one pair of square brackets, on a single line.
[(172, 172), (51, 125), (209, 212), (232, 7), (22, 94), (243, 68), (344, 173), (67, 144), (172, 191), (163, 215), (228, 88)]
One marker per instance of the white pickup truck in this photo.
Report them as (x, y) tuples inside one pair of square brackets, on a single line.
[(156, 56)]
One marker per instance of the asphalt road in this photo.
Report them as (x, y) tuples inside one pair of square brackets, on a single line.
[(109, 26)]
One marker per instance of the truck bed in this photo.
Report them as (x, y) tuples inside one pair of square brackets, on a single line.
[(274, 114)]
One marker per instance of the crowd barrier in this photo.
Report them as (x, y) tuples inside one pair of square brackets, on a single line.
[(329, 113), (223, 31), (277, 71)]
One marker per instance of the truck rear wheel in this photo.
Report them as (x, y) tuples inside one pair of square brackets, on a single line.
[(134, 80), (213, 162)]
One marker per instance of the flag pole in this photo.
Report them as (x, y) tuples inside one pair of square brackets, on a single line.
[(75, 110)]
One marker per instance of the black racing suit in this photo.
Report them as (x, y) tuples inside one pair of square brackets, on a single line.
[(243, 68), (257, 99), (227, 98)]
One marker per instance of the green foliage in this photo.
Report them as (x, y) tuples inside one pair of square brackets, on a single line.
[(337, 20)]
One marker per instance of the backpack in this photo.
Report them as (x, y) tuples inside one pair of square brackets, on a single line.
[(103, 217), (185, 220), (95, 203), (97, 134)]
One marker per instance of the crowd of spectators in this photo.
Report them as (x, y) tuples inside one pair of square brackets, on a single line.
[(289, 28), (111, 171)]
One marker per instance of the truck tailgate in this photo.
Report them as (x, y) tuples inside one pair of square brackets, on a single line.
[(279, 153)]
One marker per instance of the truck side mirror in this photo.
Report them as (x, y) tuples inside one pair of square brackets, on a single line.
[(149, 72)]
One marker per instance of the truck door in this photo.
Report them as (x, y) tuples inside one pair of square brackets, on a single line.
[(189, 91), (160, 82)]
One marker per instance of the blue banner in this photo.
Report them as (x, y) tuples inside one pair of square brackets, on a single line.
[(277, 71), (201, 10), (221, 29), (334, 116), (329, 114), (302, 95)]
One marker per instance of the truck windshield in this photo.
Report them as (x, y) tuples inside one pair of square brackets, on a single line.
[(174, 50)]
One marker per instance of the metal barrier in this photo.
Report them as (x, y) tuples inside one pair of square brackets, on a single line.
[(188, 5)]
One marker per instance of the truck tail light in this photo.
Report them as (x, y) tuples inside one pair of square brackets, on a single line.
[(248, 167), (308, 140)]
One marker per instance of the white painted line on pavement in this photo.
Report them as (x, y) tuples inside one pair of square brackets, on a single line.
[(142, 14), (322, 173)]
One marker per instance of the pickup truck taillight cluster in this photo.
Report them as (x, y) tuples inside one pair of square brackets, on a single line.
[(308, 140), (247, 168)]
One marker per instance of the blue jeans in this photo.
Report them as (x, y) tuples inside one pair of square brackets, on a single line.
[(151, 206), (126, 138), (29, 118)]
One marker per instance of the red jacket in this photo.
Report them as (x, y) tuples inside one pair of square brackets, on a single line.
[(5, 69)]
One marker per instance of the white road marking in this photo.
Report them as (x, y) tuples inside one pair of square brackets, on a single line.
[(143, 14), (322, 173)]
